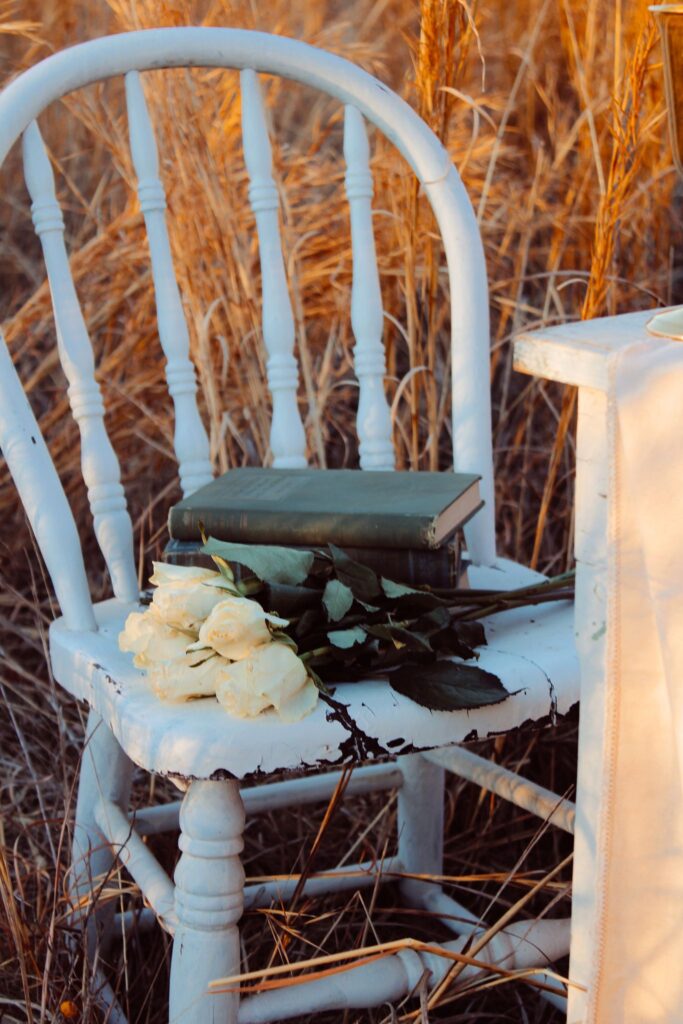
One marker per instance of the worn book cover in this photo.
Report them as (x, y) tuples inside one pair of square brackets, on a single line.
[(440, 568), (350, 508)]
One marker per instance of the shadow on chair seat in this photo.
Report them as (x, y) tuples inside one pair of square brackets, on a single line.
[(528, 649)]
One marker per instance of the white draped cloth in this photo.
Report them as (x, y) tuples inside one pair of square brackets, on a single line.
[(638, 960)]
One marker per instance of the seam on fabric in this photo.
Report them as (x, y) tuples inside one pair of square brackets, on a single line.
[(605, 830)]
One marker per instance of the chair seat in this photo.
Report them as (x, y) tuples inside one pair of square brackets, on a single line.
[(531, 650)]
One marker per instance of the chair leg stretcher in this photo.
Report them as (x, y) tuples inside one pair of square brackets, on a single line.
[(522, 946), (273, 795), (511, 787)]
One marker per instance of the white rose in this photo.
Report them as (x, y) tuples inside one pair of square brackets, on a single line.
[(184, 595), (192, 675), (179, 574), (271, 676), (150, 640), (236, 626)]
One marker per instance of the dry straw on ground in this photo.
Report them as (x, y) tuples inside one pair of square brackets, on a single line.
[(553, 113)]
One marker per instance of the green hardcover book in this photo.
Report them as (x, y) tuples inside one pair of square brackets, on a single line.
[(350, 508), (440, 568)]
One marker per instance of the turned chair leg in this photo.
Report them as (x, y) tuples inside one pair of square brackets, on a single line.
[(209, 898), (105, 774)]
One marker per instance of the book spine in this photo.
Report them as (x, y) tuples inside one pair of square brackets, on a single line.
[(412, 566), (439, 568), (387, 531)]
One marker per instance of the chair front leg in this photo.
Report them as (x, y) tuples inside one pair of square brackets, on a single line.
[(105, 774), (209, 898)]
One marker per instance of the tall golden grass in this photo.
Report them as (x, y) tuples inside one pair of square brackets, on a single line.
[(553, 112)]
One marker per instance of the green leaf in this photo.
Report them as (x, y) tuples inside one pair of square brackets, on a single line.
[(223, 583), (470, 633), (417, 602), (392, 589), (224, 569), (399, 636), (448, 686), (346, 638), (337, 599), (220, 583), (313, 620), (281, 637), (447, 642), (435, 618), (276, 620), (362, 581), (270, 563), (316, 680), (459, 638)]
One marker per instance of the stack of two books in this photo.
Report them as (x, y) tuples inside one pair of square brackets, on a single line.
[(405, 526)]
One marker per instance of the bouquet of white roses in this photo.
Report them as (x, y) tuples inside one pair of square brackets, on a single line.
[(292, 622)]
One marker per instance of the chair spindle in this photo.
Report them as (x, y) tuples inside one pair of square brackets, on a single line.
[(43, 497), (100, 466), (190, 440), (367, 315), (287, 437)]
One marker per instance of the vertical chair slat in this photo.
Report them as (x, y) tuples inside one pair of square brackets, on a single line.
[(470, 358), (367, 315), (43, 498), (100, 466), (287, 438), (190, 440)]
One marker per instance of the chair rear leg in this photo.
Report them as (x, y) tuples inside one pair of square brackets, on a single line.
[(209, 898), (105, 773), (420, 825), (420, 843)]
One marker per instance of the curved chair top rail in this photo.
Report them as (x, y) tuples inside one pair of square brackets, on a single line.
[(77, 66), (29, 94)]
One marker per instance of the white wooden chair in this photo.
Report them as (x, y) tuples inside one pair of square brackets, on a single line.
[(206, 752)]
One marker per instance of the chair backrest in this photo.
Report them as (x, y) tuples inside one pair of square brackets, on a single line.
[(363, 97)]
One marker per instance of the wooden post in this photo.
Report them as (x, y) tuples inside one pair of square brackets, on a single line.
[(420, 823), (190, 440), (209, 898), (373, 422), (287, 438), (105, 775), (101, 473), (43, 498)]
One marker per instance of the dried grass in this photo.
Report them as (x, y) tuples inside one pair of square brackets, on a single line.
[(553, 112)]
